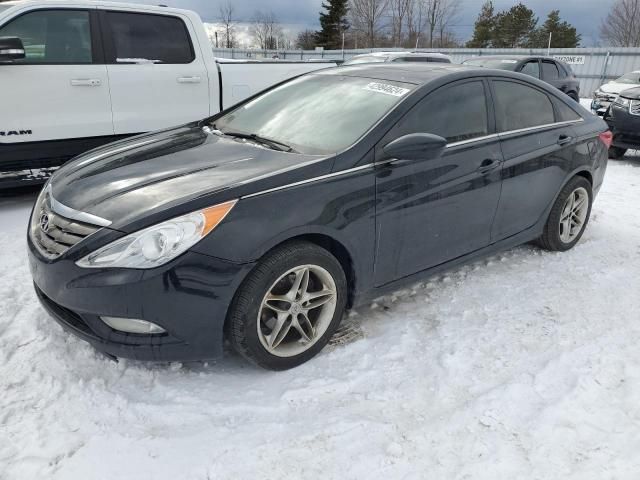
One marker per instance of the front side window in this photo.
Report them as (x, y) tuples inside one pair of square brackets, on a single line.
[(532, 69), (550, 71), (520, 106), (317, 114), (498, 63), (144, 37), (456, 113), (632, 78), (52, 36)]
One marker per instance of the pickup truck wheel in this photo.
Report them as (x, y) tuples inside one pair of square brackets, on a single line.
[(289, 306), (569, 216), (617, 152)]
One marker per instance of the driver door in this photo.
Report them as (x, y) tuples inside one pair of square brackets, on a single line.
[(434, 210)]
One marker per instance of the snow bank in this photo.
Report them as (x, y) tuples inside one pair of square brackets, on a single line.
[(522, 366)]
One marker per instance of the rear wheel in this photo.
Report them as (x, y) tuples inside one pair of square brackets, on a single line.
[(617, 152), (569, 216), (574, 96), (288, 307)]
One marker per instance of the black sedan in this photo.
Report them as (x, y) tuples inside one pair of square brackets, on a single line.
[(551, 70), (623, 118), (261, 225)]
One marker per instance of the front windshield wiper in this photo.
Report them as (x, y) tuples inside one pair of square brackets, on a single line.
[(274, 144)]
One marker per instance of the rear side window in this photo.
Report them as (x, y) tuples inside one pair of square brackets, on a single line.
[(456, 113), (532, 69), (550, 71), (564, 113), (142, 37), (520, 106), (52, 36)]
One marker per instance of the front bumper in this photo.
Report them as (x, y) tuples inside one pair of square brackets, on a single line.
[(601, 103), (625, 128), (188, 297)]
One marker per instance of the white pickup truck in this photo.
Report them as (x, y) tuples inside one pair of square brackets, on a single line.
[(77, 74)]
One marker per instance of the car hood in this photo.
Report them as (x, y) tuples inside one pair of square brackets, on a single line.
[(614, 87), (149, 174), (632, 93)]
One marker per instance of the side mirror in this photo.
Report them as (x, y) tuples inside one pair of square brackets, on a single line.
[(416, 146), (11, 48)]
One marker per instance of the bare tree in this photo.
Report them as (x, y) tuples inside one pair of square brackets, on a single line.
[(449, 14), (440, 15), (367, 16), (266, 30), (416, 21), (621, 28), (399, 10), (227, 19)]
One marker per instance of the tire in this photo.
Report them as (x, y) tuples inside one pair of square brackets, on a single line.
[(574, 96), (617, 153), (556, 236), (252, 318)]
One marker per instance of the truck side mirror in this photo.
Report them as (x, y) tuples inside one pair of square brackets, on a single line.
[(11, 48)]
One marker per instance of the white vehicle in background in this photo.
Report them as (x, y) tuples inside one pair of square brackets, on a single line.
[(77, 74), (381, 57), (607, 93)]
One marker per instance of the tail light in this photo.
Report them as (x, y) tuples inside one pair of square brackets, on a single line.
[(606, 138)]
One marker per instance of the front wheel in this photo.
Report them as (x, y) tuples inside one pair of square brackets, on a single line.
[(569, 216), (617, 152), (289, 306)]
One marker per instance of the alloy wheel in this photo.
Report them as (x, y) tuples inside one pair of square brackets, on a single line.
[(297, 310), (574, 214)]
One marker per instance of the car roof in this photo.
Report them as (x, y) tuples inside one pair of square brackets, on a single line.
[(97, 3), (414, 73), (512, 57)]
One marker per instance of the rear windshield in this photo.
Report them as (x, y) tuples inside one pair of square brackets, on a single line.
[(317, 114), (366, 59), (632, 78), (498, 63)]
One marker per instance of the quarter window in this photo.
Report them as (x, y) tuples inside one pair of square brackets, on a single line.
[(550, 71), (456, 113), (52, 36), (155, 38), (520, 106)]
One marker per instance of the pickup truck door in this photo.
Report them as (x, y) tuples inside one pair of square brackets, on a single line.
[(157, 75), (60, 90)]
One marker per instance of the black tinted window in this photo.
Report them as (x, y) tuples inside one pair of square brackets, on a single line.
[(564, 113), (520, 106), (52, 36), (550, 71), (532, 69), (456, 113), (157, 38)]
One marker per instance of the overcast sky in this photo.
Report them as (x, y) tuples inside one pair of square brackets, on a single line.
[(586, 15)]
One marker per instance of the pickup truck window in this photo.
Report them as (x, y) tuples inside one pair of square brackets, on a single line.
[(140, 37), (317, 114), (52, 36)]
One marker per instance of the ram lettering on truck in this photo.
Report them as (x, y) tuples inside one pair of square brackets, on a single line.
[(77, 90)]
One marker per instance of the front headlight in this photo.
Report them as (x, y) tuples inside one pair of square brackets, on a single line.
[(154, 246), (623, 102)]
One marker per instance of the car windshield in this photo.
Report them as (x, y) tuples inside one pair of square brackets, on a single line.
[(315, 114), (366, 59), (498, 63), (632, 78)]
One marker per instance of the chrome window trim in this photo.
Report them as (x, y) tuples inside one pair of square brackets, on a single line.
[(74, 214), (449, 145)]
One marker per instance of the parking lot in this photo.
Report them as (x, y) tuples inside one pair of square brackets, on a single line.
[(521, 365)]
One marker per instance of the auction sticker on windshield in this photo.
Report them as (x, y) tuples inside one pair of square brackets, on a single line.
[(387, 89)]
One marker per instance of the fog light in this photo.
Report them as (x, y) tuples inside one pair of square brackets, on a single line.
[(132, 325)]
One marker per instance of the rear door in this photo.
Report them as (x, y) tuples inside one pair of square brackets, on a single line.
[(158, 77), (531, 68), (552, 75), (538, 143), (60, 90), (436, 209)]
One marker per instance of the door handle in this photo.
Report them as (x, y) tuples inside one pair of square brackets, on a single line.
[(189, 79), (564, 139), (488, 165), (86, 82)]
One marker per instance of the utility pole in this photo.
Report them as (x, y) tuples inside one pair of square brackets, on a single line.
[(216, 38), (549, 47), (342, 45)]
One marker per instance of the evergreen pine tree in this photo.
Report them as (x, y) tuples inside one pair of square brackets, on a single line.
[(333, 23), (564, 35), (515, 28), (484, 26)]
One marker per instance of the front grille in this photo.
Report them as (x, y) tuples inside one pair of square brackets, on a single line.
[(54, 234), (605, 97), (634, 107)]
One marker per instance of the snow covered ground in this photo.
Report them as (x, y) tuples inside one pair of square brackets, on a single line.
[(525, 365)]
